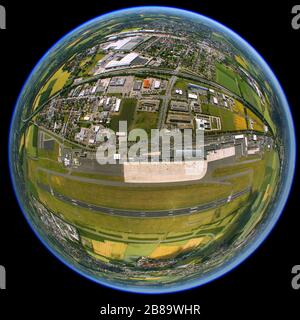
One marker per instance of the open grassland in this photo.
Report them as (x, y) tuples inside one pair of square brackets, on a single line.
[(126, 113), (253, 119), (58, 80), (233, 82), (269, 120), (264, 198), (85, 61), (240, 122), (96, 176), (250, 95), (44, 95), (241, 61), (53, 85), (227, 78), (146, 121), (61, 77), (121, 250), (258, 168), (142, 229), (130, 29), (73, 44), (238, 108), (49, 154), (229, 120), (31, 141), (138, 198), (88, 64), (181, 84), (128, 238)]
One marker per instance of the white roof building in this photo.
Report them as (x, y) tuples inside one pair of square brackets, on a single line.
[(215, 100), (124, 62), (117, 105), (118, 44), (156, 84), (94, 89), (192, 96), (239, 136), (200, 124)]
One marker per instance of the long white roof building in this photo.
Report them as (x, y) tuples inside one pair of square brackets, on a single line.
[(125, 61)]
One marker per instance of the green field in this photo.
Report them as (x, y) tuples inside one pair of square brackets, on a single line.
[(258, 125), (227, 117), (97, 176), (227, 78), (88, 64), (44, 96), (56, 83), (136, 198), (146, 121), (127, 113), (250, 95), (242, 61), (137, 227), (31, 141), (259, 170), (181, 85), (269, 120)]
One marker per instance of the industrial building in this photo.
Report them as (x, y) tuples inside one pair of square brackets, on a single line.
[(180, 106), (156, 84), (137, 85), (117, 81), (192, 96), (147, 83), (124, 44), (124, 62)]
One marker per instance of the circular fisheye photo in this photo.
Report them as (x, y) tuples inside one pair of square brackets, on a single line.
[(152, 150)]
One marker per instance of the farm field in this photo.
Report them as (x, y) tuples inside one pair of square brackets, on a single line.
[(227, 78)]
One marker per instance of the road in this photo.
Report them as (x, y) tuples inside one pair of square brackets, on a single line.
[(145, 214), (167, 98)]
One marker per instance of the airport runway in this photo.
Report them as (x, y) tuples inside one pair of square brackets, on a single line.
[(145, 214)]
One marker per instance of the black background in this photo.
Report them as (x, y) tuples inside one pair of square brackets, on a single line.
[(37, 283)]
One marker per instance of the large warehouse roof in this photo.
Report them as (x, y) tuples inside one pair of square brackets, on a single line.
[(125, 61), (117, 44)]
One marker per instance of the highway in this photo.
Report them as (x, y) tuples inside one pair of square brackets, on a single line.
[(144, 214)]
